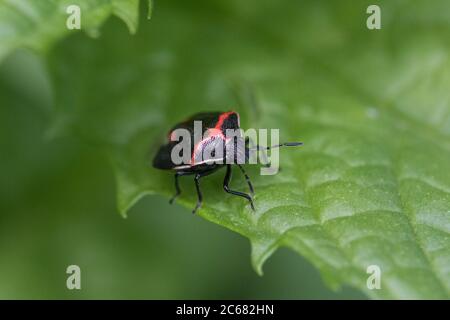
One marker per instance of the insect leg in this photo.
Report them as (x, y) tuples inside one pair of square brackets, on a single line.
[(177, 187), (197, 186), (199, 193), (247, 141), (253, 147), (247, 178), (226, 187)]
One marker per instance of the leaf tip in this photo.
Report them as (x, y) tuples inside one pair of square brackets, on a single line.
[(124, 204), (123, 213), (258, 268), (150, 9), (261, 251)]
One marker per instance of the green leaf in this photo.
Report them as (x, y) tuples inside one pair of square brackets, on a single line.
[(371, 185), (38, 24)]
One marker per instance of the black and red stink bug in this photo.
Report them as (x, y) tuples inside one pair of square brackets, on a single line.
[(214, 126)]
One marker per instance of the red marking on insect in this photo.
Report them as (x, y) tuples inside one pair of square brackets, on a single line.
[(222, 119)]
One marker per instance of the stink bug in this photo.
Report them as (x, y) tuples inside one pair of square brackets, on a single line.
[(214, 126)]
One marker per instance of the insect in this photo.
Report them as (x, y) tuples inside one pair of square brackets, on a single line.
[(217, 123)]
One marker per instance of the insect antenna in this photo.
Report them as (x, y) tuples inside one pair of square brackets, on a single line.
[(285, 144), (249, 151)]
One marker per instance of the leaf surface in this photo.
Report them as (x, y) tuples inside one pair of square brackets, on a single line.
[(370, 186)]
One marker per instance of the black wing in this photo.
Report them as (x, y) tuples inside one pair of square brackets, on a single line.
[(163, 159)]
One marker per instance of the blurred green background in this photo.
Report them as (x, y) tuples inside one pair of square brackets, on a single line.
[(61, 111), (58, 208)]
